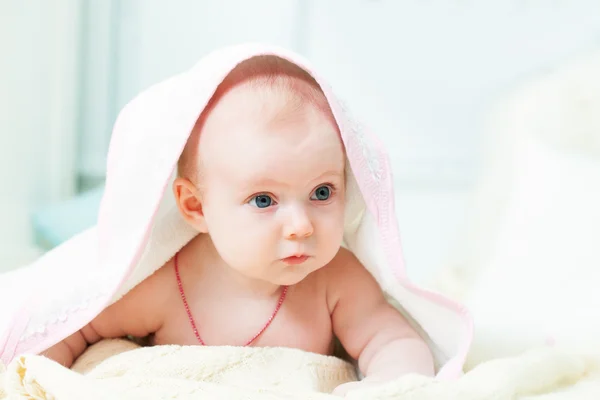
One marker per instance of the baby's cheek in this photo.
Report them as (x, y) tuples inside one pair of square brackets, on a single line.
[(331, 233), (248, 244), (229, 234), (335, 222)]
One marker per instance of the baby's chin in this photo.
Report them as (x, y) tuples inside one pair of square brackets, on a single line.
[(289, 281), (294, 274)]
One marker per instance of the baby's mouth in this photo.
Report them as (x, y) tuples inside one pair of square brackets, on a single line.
[(295, 260)]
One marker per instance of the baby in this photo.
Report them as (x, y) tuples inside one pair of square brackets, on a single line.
[(262, 180)]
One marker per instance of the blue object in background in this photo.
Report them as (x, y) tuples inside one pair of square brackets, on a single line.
[(57, 223)]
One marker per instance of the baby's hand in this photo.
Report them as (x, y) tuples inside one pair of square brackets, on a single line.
[(371, 381)]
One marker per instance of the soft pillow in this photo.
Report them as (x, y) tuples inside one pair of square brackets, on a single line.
[(539, 284)]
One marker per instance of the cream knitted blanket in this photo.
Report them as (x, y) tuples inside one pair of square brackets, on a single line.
[(118, 369)]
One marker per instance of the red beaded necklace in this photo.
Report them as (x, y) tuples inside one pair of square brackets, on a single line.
[(193, 323)]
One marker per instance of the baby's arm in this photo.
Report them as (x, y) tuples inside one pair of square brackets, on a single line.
[(369, 328), (138, 313)]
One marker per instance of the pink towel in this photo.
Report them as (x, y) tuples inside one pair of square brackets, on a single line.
[(139, 227)]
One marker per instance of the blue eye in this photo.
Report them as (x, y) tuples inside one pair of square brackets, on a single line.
[(322, 193), (261, 201)]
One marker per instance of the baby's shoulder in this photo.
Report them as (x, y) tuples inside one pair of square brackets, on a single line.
[(345, 267), (156, 285), (143, 308), (347, 279)]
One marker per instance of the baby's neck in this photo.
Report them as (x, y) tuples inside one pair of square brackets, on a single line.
[(217, 275)]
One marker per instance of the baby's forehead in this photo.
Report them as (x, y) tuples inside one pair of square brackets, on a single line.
[(264, 102), (249, 111), (301, 139), (271, 162), (264, 96), (294, 146)]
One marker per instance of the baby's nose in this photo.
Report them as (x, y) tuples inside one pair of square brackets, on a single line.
[(298, 225)]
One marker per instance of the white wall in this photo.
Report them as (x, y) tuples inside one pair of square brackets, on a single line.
[(157, 41), (38, 42), (422, 73), (97, 54)]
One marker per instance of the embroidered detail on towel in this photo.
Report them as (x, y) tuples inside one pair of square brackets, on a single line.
[(41, 329), (358, 130)]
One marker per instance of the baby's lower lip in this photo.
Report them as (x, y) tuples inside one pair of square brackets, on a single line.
[(295, 260)]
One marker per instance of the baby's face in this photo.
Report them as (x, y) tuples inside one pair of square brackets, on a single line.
[(273, 187)]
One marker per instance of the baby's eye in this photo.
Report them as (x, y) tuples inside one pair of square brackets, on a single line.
[(322, 193), (261, 201)]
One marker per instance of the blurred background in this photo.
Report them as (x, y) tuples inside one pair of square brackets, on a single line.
[(451, 87)]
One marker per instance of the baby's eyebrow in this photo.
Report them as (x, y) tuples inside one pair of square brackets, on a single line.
[(269, 182), (331, 173), (251, 183)]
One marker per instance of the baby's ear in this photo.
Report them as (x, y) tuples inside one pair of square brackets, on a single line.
[(189, 203)]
